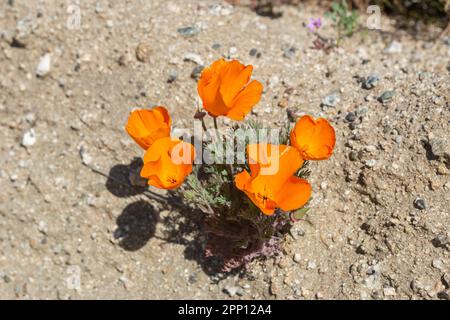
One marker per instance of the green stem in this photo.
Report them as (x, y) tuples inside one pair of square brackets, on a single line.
[(204, 125)]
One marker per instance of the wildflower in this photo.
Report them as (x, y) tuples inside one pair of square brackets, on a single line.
[(225, 89), (314, 139), (314, 24), (146, 126), (167, 163), (271, 189)]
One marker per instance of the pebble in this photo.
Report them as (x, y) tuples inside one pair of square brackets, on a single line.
[(446, 280), (30, 117), (353, 156), (216, 46), (283, 103), (446, 40), (44, 65), (196, 72), (29, 138), (331, 100), (86, 158), (311, 265), (188, 32), (419, 204), (173, 75), (444, 295), (253, 52), (193, 57), (297, 257), (439, 147), (370, 148), (389, 292), (386, 96), (370, 163), (233, 290), (438, 264), (192, 278), (6, 278), (143, 51), (371, 81), (394, 47), (350, 117), (369, 97), (440, 241), (42, 227), (289, 52)]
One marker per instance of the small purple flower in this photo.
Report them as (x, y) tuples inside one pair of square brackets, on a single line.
[(314, 24)]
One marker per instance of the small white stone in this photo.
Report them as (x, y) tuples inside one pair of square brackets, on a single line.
[(29, 138), (44, 65), (371, 148), (311, 265), (273, 81), (388, 292), (30, 117), (438, 264), (394, 47), (370, 163), (233, 290), (42, 226), (86, 158), (297, 257), (190, 56)]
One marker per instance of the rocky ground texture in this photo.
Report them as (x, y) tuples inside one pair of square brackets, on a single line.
[(379, 224)]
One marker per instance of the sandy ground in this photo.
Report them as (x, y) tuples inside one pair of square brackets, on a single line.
[(379, 227)]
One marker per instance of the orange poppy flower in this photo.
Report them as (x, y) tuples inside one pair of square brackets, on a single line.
[(225, 89), (167, 163), (271, 183), (146, 126), (314, 139)]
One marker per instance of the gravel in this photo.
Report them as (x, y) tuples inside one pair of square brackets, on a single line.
[(44, 65), (420, 204), (29, 138), (97, 76)]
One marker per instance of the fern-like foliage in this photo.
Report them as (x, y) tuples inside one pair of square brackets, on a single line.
[(237, 231)]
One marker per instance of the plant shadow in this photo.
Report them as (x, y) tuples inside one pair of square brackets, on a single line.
[(136, 225), (182, 224)]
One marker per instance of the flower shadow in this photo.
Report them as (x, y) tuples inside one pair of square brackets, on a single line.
[(118, 179), (136, 225), (181, 224)]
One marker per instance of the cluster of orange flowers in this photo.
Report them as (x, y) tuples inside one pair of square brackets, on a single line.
[(226, 90)]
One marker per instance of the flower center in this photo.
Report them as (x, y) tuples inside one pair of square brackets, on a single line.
[(171, 180)]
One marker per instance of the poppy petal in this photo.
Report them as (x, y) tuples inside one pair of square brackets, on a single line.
[(246, 100), (241, 179), (146, 126), (315, 139), (208, 89), (233, 79), (275, 164), (294, 194), (160, 168)]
